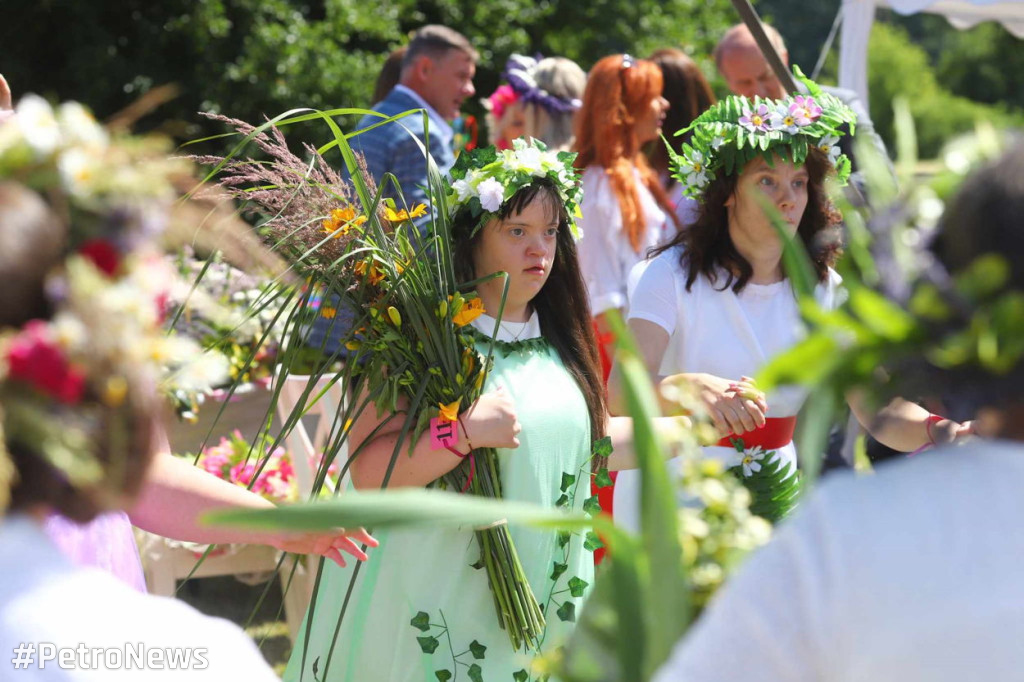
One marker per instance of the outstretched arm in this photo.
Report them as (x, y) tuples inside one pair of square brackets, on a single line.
[(906, 426), (176, 495)]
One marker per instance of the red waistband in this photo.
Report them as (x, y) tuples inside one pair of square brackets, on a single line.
[(776, 432)]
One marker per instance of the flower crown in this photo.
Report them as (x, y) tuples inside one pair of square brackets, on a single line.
[(57, 376), (734, 131), (519, 74), (482, 180)]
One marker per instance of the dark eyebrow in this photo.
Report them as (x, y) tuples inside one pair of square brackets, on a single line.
[(520, 224)]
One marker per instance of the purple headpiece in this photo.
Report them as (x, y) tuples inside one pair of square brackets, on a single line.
[(519, 74)]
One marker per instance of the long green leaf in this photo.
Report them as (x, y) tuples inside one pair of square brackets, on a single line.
[(410, 507), (667, 601)]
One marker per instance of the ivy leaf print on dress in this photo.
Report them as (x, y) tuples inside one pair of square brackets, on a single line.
[(593, 541), (476, 673), (421, 621), (477, 649), (577, 586), (567, 612), (428, 644)]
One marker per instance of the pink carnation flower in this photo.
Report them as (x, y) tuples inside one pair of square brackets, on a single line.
[(242, 473)]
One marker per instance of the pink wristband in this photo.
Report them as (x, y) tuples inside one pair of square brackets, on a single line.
[(443, 434)]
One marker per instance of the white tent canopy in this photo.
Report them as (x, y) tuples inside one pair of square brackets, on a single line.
[(859, 15)]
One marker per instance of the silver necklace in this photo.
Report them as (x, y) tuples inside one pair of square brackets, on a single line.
[(515, 337)]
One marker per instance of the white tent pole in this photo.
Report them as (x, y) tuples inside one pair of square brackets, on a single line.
[(858, 16)]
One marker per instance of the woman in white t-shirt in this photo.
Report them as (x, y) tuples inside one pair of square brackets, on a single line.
[(625, 209), (714, 305)]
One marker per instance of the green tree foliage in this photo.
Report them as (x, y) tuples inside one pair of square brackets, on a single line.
[(898, 67), (246, 58), (985, 64)]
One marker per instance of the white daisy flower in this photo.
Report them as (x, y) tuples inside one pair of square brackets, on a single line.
[(79, 127), (829, 145), (79, 171), (784, 120), (38, 125), (750, 466)]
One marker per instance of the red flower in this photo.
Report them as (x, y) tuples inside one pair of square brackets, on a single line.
[(103, 255), (163, 306), (36, 360)]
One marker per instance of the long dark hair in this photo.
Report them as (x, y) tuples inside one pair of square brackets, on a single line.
[(708, 248), (688, 94), (561, 305)]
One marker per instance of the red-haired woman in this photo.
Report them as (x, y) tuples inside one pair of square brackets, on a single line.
[(625, 208)]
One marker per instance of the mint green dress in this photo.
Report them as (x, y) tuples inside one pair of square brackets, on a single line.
[(431, 570)]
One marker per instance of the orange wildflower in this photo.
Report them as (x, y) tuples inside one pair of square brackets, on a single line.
[(342, 220), (328, 312), (376, 276), (470, 310), (449, 412)]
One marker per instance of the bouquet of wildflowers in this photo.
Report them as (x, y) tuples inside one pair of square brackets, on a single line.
[(385, 291), (413, 342)]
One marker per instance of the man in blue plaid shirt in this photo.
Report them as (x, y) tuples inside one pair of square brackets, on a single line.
[(437, 75)]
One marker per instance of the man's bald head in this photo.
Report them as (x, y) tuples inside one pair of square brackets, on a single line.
[(744, 67)]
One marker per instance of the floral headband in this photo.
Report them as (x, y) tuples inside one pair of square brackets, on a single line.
[(519, 74), (735, 130), (482, 180), (501, 99), (108, 292)]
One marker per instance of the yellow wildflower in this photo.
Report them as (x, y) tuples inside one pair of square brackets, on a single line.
[(449, 412), (398, 216), (328, 312), (470, 310)]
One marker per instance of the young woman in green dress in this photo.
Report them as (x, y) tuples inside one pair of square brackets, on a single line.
[(542, 408)]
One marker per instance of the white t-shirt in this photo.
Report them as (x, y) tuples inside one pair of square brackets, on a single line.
[(721, 333), (606, 256), (48, 604), (910, 574)]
